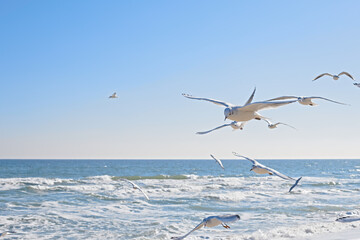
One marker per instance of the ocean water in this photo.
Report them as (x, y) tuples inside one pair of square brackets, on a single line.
[(85, 199)]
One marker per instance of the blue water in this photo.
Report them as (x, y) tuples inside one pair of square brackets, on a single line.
[(86, 199)]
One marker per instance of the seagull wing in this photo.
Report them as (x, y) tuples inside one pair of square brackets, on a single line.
[(277, 173), (282, 98), (327, 100), (286, 125), (347, 74), (249, 159), (296, 183), (264, 105), (224, 104), (228, 218), (147, 197), (225, 125), (218, 161), (196, 228), (250, 98), (135, 186), (321, 75)]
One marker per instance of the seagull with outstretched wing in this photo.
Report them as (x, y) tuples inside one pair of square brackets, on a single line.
[(113, 95), (246, 112), (274, 125), (305, 100), (212, 221), (262, 169), (335, 77)]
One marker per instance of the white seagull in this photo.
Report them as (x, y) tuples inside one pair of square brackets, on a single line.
[(246, 112), (212, 221), (113, 95), (135, 187), (235, 125), (218, 161), (262, 169), (335, 77), (274, 125), (305, 100)]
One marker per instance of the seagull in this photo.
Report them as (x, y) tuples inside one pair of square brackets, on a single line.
[(212, 221), (348, 219), (113, 95), (135, 187), (274, 125), (262, 169), (218, 161), (235, 125), (335, 77), (246, 112), (305, 100)]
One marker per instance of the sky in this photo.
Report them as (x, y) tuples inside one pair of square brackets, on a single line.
[(60, 60)]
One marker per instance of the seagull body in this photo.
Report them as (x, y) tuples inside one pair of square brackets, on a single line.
[(212, 221), (274, 125), (235, 125), (135, 186), (218, 161), (305, 100), (243, 113), (113, 95), (335, 77)]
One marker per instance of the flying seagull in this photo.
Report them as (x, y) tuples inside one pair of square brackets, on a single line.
[(218, 161), (113, 95), (235, 125), (335, 77), (212, 221), (246, 112), (262, 169), (305, 100), (348, 219), (135, 187), (274, 125)]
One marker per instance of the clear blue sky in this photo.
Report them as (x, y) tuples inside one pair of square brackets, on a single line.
[(60, 60)]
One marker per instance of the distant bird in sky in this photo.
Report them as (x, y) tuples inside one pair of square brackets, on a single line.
[(335, 77), (262, 169), (212, 221), (235, 125), (274, 125), (305, 100), (135, 187), (218, 161), (113, 95), (246, 112)]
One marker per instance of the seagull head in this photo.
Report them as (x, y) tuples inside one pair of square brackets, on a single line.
[(227, 113), (336, 77)]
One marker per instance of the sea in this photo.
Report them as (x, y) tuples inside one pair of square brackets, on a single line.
[(87, 199)]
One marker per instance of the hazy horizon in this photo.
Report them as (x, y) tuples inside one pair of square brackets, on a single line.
[(61, 60)]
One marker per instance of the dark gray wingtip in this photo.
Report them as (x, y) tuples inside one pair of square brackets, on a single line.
[(238, 216), (296, 183)]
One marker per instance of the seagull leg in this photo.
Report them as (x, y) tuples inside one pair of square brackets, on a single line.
[(225, 225)]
